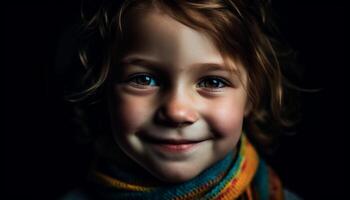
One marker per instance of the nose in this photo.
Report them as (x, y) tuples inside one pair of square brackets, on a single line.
[(177, 110)]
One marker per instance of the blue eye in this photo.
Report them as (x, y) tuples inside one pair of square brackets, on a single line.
[(144, 80), (213, 82)]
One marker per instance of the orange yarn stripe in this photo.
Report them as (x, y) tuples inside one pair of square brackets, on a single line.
[(240, 183)]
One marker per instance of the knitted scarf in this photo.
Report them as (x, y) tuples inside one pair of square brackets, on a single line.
[(245, 177)]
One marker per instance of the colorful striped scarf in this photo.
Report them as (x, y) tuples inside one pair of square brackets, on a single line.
[(244, 177)]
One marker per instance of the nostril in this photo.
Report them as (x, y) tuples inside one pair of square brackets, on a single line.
[(170, 123), (164, 120), (180, 125)]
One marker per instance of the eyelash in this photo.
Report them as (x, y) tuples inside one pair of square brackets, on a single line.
[(218, 80), (222, 81), (133, 80)]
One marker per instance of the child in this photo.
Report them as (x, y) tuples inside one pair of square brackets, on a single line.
[(185, 86)]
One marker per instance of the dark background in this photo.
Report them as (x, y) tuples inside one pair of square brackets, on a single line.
[(41, 159)]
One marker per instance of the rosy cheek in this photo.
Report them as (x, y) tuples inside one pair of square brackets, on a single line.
[(226, 118)]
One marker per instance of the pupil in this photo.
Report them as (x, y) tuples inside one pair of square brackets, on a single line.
[(213, 83), (144, 80)]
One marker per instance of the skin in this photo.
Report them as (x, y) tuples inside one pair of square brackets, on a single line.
[(175, 97)]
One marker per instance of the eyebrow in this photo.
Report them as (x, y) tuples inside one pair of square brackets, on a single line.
[(140, 61), (155, 65)]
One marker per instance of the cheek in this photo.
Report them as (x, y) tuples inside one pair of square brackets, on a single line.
[(129, 113), (226, 117)]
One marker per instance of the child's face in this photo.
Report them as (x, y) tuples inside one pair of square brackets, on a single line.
[(174, 76)]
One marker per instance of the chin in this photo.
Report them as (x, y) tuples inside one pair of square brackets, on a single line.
[(175, 174), (175, 177)]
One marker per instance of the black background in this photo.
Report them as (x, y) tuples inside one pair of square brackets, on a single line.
[(41, 159)]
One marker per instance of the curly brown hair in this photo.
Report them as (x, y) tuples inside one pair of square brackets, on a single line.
[(243, 30)]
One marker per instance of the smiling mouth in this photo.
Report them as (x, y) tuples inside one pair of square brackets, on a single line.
[(169, 141), (172, 145), (176, 148)]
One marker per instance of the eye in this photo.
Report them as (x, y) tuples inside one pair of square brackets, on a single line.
[(213, 82), (143, 80)]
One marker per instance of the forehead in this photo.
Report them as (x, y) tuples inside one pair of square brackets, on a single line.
[(156, 34), (155, 29)]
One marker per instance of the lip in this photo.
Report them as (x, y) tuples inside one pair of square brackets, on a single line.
[(172, 145), (156, 140), (176, 148)]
